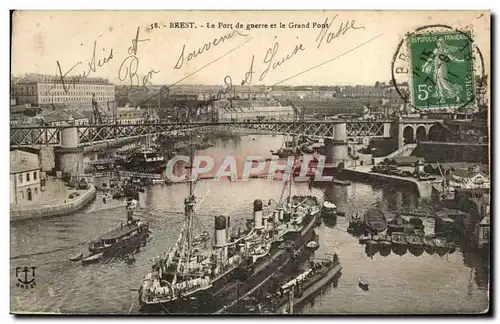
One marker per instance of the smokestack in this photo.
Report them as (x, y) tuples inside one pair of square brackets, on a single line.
[(220, 228), (264, 222), (257, 213), (130, 213)]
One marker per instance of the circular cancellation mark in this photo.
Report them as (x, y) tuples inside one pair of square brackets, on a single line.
[(439, 62)]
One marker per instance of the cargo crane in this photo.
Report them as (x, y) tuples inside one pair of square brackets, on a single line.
[(99, 116)]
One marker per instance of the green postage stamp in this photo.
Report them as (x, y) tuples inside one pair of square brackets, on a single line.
[(442, 70)]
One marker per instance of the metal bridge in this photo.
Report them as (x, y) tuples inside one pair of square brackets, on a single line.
[(94, 134)]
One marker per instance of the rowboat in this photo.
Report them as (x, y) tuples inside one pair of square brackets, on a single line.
[(363, 284), (77, 257), (94, 258), (375, 221), (398, 238)]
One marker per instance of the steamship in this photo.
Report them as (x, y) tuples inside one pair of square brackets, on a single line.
[(192, 279)]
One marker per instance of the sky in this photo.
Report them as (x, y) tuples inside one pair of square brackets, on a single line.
[(54, 42)]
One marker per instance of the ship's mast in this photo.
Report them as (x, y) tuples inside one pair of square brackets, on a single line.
[(189, 204)]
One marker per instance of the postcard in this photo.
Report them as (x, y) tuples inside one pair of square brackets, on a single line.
[(250, 162)]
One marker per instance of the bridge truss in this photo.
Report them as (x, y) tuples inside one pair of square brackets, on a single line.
[(95, 134)]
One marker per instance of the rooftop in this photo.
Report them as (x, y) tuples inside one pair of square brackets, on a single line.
[(468, 173), (54, 117), (21, 161), (43, 78), (76, 114)]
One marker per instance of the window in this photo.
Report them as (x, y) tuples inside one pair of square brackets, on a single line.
[(34, 175), (20, 178), (21, 194), (36, 191), (28, 176)]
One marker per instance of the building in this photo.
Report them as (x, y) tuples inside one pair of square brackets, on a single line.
[(40, 90), (469, 178), (255, 110), (135, 115), (24, 177), (77, 118)]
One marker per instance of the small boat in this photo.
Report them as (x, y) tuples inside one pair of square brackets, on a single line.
[(77, 257), (428, 242), (341, 182), (313, 245), (93, 258), (375, 221), (413, 239), (398, 238), (363, 284), (441, 246), (396, 224), (340, 213), (384, 240)]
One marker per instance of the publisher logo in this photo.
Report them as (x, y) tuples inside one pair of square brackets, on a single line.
[(25, 277)]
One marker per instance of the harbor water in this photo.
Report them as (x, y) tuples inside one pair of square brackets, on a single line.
[(426, 283)]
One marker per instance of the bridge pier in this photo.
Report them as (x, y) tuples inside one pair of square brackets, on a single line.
[(69, 156), (336, 149)]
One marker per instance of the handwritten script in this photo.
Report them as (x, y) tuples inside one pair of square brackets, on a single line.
[(130, 66), (342, 30), (92, 66), (205, 48)]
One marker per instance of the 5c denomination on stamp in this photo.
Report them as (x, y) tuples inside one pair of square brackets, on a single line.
[(440, 64)]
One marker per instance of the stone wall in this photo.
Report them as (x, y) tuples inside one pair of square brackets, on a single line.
[(23, 213)]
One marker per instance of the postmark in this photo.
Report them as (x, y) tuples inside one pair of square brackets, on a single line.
[(438, 68)]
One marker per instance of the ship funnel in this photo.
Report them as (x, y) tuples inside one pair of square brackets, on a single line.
[(280, 214), (221, 233), (257, 214)]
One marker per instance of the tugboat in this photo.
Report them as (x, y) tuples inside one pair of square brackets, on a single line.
[(192, 279), (119, 242), (375, 221)]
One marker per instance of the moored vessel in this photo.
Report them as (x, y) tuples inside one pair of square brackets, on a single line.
[(375, 221), (191, 279)]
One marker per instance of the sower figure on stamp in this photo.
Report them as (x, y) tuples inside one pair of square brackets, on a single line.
[(436, 65)]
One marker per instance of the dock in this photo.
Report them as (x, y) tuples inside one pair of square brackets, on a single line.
[(363, 173)]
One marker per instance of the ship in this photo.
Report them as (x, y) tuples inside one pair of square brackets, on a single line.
[(148, 158), (192, 279), (295, 293), (120, 242)]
